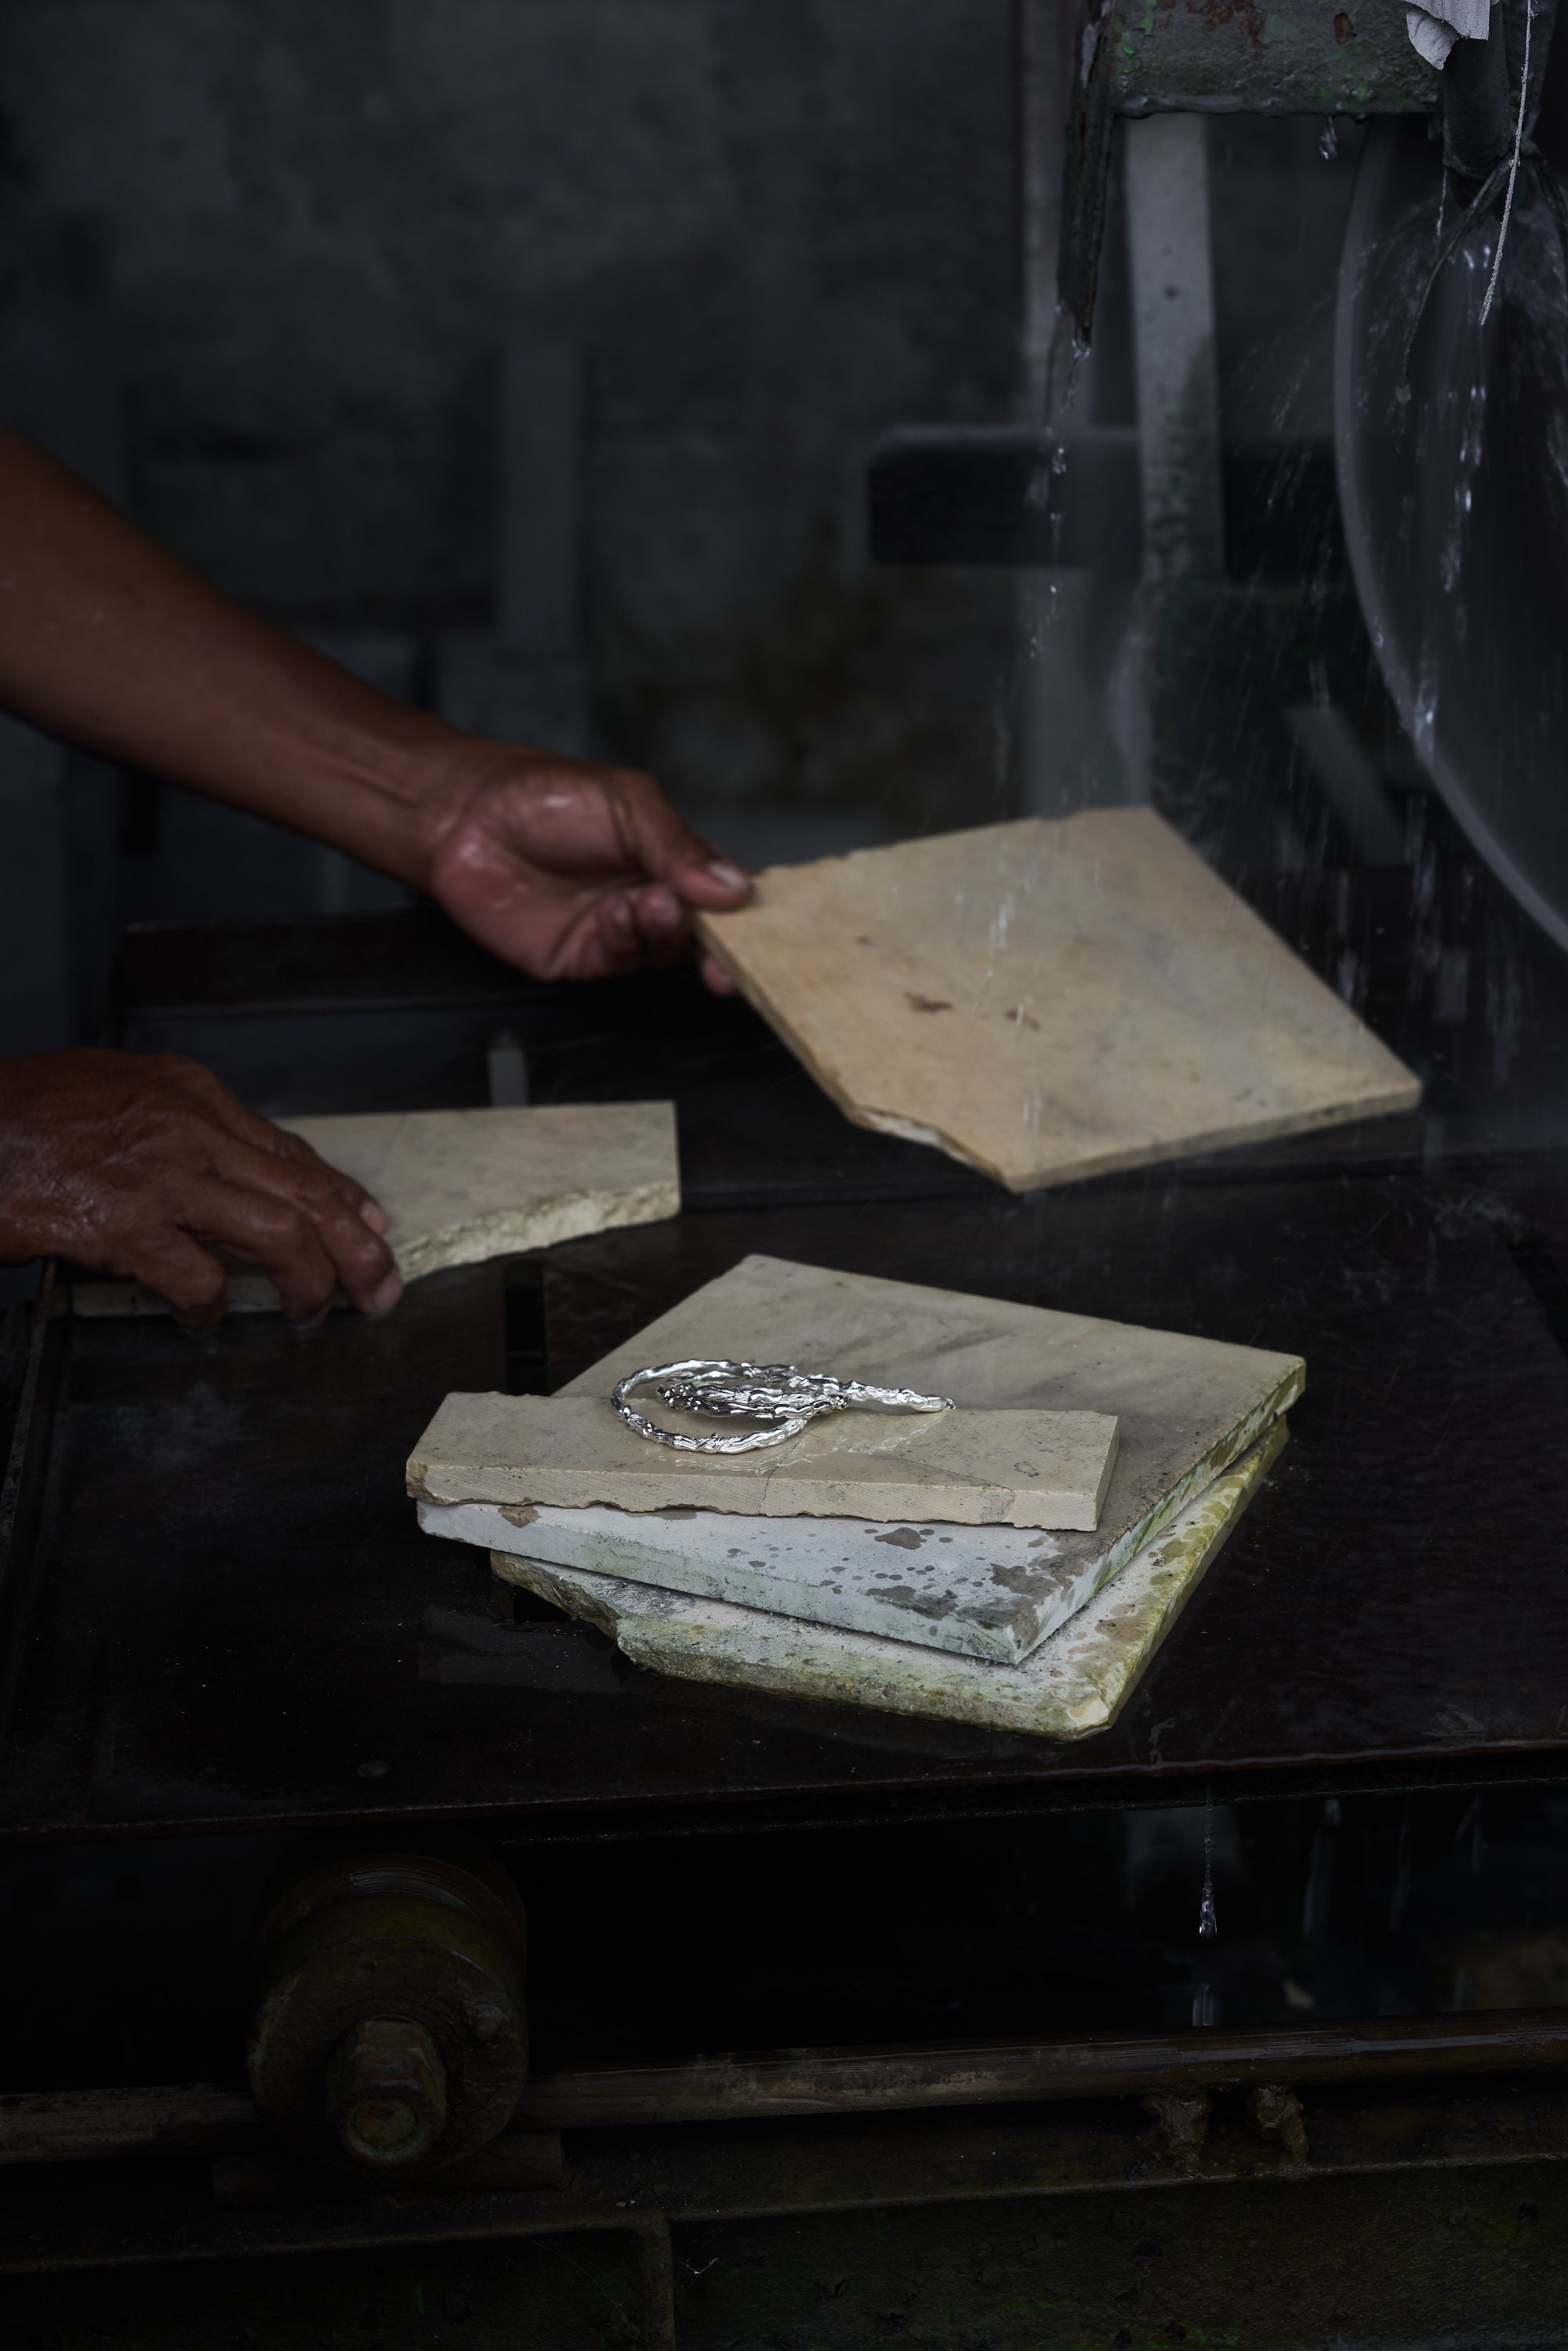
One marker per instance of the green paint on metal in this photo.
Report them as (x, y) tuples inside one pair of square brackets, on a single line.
[(1303, 58)]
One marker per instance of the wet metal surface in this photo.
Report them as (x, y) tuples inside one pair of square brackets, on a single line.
[(227, 1587), (218, 1610)]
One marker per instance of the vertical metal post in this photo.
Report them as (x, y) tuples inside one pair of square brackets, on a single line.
[(1069, 623), (1172, 273), (1170, 267)]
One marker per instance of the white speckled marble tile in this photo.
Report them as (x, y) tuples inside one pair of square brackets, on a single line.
[(978, 1591), (1074, 1683)]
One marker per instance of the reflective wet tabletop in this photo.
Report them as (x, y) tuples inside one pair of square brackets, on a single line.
[(217, 1607)]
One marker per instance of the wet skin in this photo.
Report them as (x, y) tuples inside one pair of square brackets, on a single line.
[(569, 870)]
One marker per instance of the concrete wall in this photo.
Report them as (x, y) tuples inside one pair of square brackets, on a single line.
[(773, 227)]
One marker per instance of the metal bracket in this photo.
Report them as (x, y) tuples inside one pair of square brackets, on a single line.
[(1194, 56)]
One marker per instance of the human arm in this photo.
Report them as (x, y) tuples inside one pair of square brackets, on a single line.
[(567, 868)]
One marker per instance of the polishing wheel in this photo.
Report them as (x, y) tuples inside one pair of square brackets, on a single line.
[(1451, 442)]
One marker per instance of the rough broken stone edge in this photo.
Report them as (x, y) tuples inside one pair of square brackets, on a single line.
[(1210, 1466), (1060, 1693), (781, 1493), (439, 1483), (996, 1644), (1031, 1624), (567, 1218)]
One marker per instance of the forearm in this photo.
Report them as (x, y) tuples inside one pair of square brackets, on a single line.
[(110, 641), (564, 867)]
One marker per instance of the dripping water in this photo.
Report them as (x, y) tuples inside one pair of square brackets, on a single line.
[(1207, 1918)]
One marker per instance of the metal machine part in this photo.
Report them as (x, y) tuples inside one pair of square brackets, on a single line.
[(1304, 58), (387, 2032)]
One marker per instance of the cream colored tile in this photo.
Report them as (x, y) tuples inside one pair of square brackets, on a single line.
[(1050, 999)]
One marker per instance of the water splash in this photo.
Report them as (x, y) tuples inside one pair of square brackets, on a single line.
[(1328, 141), (1513, 164), (1063, 366), (1207, 1917)]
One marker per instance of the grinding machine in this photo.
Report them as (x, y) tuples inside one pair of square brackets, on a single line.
[(353, 1900)]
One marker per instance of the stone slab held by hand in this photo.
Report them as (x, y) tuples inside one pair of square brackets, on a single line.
[(459, 1186), (1026, 1468), (1050, 999)]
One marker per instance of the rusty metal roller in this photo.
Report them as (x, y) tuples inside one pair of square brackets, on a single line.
[(387, 2032)]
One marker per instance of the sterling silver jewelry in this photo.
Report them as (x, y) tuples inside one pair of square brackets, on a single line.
[(783, 1397)]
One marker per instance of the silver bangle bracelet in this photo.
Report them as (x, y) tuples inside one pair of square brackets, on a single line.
[(786, 1399)]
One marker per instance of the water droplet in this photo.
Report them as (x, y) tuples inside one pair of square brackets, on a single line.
[(1328, 141)]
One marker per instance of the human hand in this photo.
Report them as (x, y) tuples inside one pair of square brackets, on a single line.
[(569, 870), (140, 1164)]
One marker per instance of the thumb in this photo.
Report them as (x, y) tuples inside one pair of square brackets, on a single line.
[(668, 851)]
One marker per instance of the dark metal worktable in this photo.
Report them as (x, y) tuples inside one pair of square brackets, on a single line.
[(219, 1611)]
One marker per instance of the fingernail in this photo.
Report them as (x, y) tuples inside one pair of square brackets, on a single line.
[(315, 1322), (661, 910), (621, 914), (732, 876), (385, 1296), (374, 1215)]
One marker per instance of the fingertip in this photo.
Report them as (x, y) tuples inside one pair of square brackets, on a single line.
[(659, 911), (384, 1296), (715, 881), (200, 1318), (715, 979), (610, 945), (371, 1213)]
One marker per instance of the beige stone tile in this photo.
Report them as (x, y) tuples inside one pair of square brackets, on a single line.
[(1028, 1469), (458, 1185), (1050, 999)]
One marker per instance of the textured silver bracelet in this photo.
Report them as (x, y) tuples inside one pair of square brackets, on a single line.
[(784, 1398)]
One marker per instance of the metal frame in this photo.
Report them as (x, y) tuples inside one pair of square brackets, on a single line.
[(823, 2131)]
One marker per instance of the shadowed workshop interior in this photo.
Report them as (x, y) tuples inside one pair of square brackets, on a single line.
[(1071, 497)]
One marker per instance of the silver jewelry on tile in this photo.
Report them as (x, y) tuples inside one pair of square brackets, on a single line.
[(781, 1395)]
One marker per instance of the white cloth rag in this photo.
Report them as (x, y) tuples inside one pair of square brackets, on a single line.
[(1437, 25)]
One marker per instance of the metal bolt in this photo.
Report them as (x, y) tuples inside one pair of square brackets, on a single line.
[(386, 2091)]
